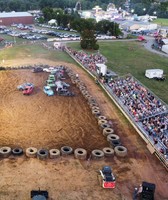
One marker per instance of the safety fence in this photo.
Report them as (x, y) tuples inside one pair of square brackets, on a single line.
[(151, 147)]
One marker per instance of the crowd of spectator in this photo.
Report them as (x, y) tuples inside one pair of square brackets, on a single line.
[(140, 102), (157, 127), (145, 108), (87, 60)]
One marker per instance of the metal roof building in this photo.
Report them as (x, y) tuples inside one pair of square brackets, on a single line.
[(8, 18)]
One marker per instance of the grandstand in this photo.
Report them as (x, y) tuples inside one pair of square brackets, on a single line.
[(147, 112)]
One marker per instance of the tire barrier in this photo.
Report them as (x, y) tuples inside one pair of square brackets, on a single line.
[(5, 152), (87, 96), (17, 151), (102, 121), (103, 126), (96, 113), (54, 153), (113, 137), (97, 154), (92, 101), (95, 108), (80, 154), (91, 105), (81, 88), (108, 152), (31, 152), (42, 154), (116, 143), (102, 117), (120, 151), (66, 150), (107, 131)]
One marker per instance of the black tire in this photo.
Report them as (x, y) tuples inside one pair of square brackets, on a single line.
[(96, 112), (95, 108), (107, 131), (97, 154), (88, 96), (91, 105), (17, 151), (102, 121), (80, 154), (31, 152), (103, 126), (120, 151), (66, 150), (5, 152), (114, 143), (113, 137), (108, 152), (54, 153), (102, 117), (42, 154)]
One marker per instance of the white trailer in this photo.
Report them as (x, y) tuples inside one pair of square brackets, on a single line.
[(165, 48), (101, 69), (154, 73)]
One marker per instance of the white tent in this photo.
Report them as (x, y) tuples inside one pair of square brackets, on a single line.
[(165, 48), (101, 69), (154, 73), (52, 21)]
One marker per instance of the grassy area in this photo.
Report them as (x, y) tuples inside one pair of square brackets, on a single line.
[(161, 21), (33, 51), (131, 57)]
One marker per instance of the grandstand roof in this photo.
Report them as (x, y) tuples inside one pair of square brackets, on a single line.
[(14, 14)]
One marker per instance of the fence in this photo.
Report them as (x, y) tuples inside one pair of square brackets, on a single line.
[(125, 112)]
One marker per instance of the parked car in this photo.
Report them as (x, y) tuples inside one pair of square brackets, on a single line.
[(48, 91), (28, 90), (37, 69)]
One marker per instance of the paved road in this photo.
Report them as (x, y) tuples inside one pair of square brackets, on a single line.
[(150, 41)]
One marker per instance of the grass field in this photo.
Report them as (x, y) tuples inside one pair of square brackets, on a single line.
[(131, 57), (33, 51), (161, 21)]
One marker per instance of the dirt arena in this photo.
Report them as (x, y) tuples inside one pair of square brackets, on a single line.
[(52, 122)]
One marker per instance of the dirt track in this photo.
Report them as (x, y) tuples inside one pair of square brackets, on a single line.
[(52, 122)]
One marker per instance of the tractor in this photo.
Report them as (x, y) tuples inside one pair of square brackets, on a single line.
[(107, 179)]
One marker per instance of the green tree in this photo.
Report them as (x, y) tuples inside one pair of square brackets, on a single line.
[(88, 39)]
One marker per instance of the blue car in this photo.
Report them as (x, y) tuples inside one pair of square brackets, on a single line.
[(48, 91), (24, 85)]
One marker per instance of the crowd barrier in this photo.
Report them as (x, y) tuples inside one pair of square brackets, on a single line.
[(137, 127)]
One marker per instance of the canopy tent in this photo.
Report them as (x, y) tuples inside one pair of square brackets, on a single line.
[(52, 21)]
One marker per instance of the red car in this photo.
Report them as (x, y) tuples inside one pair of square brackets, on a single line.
[(28, 90)]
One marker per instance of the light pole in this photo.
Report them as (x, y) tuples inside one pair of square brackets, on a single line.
[(144, 9), (132, 11)]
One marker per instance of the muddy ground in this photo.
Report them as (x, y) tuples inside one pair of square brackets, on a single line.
[(52, 122)]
